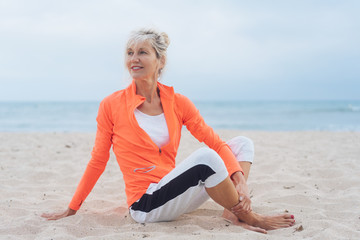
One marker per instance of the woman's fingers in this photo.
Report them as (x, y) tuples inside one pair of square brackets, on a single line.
[(235, 208), (244, 206), (247, 206), (52, 216), (49, 215), (56, 216), (238, 207), (45, 215)]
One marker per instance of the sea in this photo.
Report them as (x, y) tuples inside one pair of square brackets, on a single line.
[(241, 115)]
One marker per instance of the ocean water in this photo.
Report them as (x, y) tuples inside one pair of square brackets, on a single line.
[(242, 115)]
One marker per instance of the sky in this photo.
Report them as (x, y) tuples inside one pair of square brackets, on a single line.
[(73, 50)]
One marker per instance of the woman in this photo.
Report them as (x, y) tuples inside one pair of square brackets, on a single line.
[(143, 123)]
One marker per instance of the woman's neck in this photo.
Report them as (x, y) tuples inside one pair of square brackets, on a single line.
[(147, 89)]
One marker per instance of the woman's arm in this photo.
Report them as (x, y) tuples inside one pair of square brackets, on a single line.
[(99, 155), (195, 123), (97, 164), (244, 205), (204, 133)]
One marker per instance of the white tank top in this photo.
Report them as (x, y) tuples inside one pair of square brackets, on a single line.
[(154, 126)]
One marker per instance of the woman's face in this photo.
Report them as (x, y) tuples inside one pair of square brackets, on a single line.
[(141, 61)]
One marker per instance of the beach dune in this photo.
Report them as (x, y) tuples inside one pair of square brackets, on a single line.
[(313, 175)]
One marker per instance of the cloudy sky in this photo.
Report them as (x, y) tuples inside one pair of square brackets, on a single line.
[(220, 50)]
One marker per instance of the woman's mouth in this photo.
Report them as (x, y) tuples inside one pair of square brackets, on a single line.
[(136, 68)]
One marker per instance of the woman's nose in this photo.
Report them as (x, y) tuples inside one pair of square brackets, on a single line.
[(135, 58)]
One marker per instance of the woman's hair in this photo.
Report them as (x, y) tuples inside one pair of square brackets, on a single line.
[(158, 40)]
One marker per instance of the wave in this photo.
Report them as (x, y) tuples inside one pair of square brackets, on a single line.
[(301, 107), (354, 108), (252, 115)]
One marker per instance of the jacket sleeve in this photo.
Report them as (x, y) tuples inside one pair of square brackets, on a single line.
[(195, 123), (99, 156)]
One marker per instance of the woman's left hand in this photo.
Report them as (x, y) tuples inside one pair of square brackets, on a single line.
[(244, 205)]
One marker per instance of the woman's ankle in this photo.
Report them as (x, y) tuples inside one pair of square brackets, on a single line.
[(250, 218)]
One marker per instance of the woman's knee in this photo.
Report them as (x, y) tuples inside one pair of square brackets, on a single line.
[(243, 148), (210, 158), (208, 155)]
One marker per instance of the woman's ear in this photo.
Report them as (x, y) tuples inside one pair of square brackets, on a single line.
[(162, 62)]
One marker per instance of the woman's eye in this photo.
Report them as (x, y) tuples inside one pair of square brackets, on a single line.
[(130, 53), (143, 52)]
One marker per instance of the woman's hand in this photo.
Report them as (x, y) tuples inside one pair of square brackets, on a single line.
[(244, 206), (56, 216)]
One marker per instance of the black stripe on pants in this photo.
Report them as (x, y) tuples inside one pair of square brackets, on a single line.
[(174, 188)]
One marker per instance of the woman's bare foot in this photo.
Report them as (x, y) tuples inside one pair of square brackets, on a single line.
[(230, 217), (259, 223), (274, 222)]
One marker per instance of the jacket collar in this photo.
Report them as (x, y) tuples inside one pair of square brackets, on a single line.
[(134, 100), (167, 97)]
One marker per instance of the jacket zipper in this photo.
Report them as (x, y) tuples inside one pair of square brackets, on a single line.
[(135, 122)]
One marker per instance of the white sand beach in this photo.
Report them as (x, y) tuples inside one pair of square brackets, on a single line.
[(313, 175)]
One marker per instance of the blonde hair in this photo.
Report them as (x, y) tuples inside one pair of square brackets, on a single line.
[(158, 40)]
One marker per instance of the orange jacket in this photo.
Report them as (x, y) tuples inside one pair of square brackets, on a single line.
[(140, 159)]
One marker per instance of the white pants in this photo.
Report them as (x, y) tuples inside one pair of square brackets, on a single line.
[(183, 189)]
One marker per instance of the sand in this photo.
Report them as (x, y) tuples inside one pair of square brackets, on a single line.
[(313, 175)]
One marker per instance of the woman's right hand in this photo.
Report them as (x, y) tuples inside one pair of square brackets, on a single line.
[(56, 216)]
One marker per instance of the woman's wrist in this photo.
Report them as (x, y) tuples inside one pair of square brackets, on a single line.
[(238, 178), (71, 212)]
